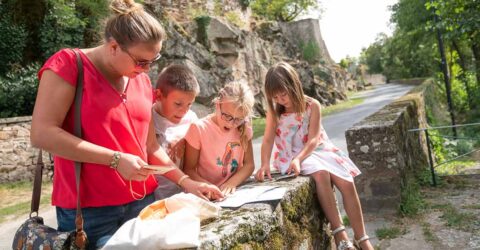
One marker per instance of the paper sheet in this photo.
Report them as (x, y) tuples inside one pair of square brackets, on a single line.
[(247, 194)]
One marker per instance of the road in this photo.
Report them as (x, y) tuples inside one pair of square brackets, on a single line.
[(335, 125)]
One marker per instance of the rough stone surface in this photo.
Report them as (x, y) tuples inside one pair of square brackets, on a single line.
[(295, 222), (17, 157), (233, 52), (386, 152)]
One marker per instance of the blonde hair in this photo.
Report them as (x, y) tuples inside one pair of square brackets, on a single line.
[(280, 78), (130, 24), (240, 94)]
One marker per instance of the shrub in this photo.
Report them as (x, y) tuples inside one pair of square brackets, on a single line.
[(61, 28), (18, 90), (310, 52), (202, 26), (12, 43), (234, 18)]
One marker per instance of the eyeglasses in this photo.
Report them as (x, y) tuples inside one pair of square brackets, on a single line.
[(228, 118), (142, 64)]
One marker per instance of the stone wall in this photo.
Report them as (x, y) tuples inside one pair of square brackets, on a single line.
[(295, 222), (17, 157), (386, 153)]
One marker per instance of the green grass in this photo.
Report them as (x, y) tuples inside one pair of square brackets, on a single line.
[(389, 232), (341, 106), (455, 167), (346, 221), (259, 123), (412, 202), (258, 127), (456, 219), (475, 206), (16, 198)]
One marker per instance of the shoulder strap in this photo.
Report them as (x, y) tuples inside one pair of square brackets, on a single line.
[(81, 237)]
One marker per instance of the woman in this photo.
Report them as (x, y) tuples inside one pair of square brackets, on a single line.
[(118, 137)]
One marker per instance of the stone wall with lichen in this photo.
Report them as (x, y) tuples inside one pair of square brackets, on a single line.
[(17, 157), (386, 152), (295, 222)]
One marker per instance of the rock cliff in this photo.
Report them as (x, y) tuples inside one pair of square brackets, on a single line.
[(220, 41)]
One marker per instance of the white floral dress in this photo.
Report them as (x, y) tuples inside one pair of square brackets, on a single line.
[(290, 137)]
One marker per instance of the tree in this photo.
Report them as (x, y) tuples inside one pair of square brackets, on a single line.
[(282, 10)]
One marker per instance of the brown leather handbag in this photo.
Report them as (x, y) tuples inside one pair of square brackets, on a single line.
[(33, 233)]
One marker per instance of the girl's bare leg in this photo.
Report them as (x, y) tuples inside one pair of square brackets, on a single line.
[(353, 208), (326, 198)]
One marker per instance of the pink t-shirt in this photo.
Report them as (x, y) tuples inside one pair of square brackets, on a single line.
[(220, 152), (107, 121)]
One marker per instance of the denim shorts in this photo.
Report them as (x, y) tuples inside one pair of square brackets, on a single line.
[(100, 223)]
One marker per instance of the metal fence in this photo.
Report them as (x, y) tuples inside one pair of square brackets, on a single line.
[(430, 146)]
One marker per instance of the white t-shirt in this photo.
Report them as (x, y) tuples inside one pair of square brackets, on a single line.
[(171, 136)]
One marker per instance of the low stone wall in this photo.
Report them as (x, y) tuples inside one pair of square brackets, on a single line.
[(295, 222), (386, 153), (17, 157), (415, 81)]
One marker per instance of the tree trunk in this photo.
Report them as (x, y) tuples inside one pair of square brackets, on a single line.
[(463, 77), (476, 56)]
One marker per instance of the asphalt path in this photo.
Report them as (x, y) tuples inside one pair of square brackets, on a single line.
[(334, 124)]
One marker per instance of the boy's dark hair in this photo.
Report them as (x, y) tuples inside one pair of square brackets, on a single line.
[(177, 77)]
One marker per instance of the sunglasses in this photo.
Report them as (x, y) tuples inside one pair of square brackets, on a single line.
[(228, 118), (142, 64)]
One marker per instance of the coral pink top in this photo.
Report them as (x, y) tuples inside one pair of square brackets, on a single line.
[(220, 152), (108, 120)]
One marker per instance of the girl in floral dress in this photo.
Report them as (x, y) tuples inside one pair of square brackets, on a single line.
[(293, 124)]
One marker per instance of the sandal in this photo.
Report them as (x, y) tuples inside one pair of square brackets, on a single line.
[(362, 239), (343, 244)]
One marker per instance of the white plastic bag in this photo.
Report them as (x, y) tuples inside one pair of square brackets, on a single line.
[(166, 224)]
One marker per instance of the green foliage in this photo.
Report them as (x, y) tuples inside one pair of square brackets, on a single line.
[(412, 202), (258, 125), (244, 3), (389, 232), (61, 28), (202, 26), (92, 12), (310, 52), (233, 17), (18, 90), (457, 219), (12, 43), (282, 10)]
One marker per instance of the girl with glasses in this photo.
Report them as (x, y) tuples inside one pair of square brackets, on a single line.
[(219, 146)]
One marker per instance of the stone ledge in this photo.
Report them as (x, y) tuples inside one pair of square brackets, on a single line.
[(295, 222), (19, 119)]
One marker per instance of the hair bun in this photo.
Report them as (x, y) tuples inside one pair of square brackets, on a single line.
[(125, 7)]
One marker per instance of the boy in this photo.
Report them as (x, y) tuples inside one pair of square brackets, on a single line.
[(175, 92)]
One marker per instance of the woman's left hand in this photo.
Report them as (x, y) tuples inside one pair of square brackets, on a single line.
[(203, 190), (294, 166)]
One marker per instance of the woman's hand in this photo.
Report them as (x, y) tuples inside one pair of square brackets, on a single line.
[(130, 168), (294, 166), (227, 188), (264, 170), (202, 190)]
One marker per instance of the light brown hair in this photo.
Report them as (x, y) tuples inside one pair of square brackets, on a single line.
[(280, 78), (130, 24), (240, 94), (177, 77)]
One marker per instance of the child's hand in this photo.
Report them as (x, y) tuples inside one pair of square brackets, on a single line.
[(202, 190), (260, 175), (294, 166), (227, 189)]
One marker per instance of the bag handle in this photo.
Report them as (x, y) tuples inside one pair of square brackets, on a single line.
[(37, 185)]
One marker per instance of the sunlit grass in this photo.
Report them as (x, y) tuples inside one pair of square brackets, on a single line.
[(455, 167)]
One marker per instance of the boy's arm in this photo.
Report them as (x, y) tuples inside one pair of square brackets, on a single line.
[(157, 156), (190, 162), (242, 174)]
